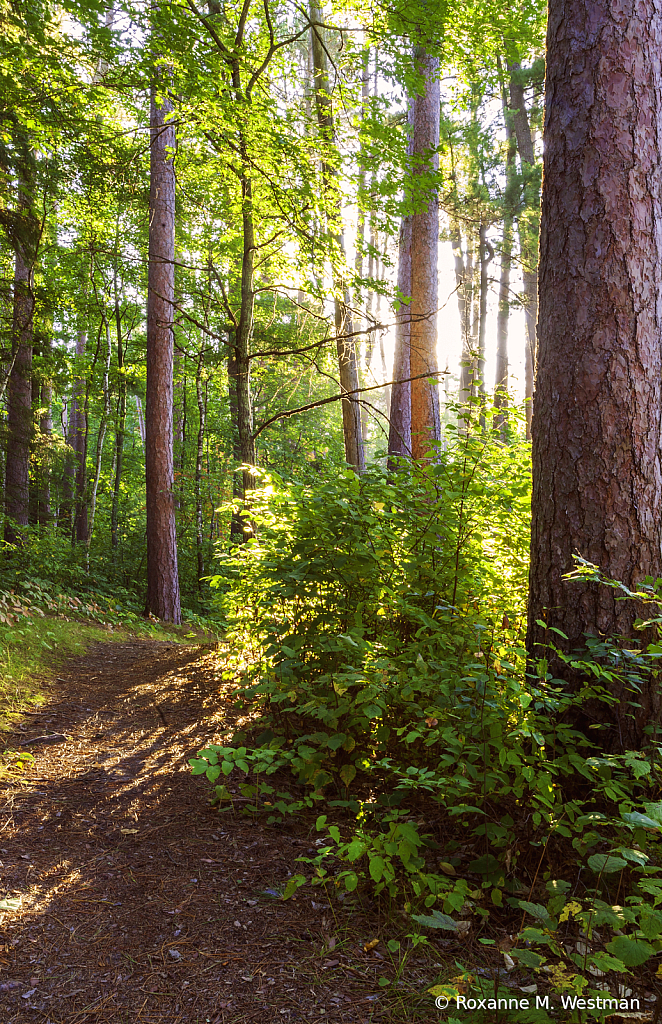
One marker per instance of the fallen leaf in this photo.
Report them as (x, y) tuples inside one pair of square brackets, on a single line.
[(370, 945), (129, 831)]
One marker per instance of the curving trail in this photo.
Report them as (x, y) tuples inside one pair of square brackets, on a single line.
[(125, 899)]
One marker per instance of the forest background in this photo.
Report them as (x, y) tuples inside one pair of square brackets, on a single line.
[(223, 389)]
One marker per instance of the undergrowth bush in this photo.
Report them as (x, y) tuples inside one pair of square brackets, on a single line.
[(376, 627)]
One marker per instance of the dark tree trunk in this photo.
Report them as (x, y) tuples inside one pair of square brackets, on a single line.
[(162, 575), (425, 421), (399, 439), (46, 430), (597, 477), (19, 403), (67, 514)]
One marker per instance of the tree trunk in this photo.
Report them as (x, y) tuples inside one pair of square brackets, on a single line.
[(399, 439), (199, 456), (348, 370), (463, 308), (19, 403), (503, 314), (46, 430), (162, 575), (80, 440), (120, 429), (484, 260), (528, 232), (425, 423), (597, 477)]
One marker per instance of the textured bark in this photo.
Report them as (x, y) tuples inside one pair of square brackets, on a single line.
[(162, 576), (597, 478), (120, 428), (348, 370), (399, 439), (484, 260), (528, 234), (19, 404), (200, 395), (463, 308), (425, 422), (503, 312), (46, 430)]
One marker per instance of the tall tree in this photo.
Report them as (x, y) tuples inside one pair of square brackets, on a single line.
[(399, 439), (348, 370), (19, 393), (528, 230), (425, 421), (597, 472), (162, 573)]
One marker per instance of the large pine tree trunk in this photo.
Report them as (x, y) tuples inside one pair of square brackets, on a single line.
[(425, 423), (162, 575), (597, 473), (19, 404)]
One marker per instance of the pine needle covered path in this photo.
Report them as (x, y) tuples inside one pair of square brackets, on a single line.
[(126, 898)]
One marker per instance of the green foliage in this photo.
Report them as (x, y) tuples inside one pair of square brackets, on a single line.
[(375, 625)]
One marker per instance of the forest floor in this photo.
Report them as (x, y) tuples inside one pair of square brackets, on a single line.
[(127, 898)]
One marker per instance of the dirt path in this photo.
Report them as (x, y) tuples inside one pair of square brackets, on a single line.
[(136, 902)]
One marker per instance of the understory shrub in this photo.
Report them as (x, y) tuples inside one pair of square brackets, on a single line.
[(376, 628)]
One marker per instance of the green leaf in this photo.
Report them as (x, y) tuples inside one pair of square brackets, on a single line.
[(376, 868), (348, 773), (632, 952), (351, 881), (536, 910), (436, 920), (605, 962), (528, 957), (600, 862), (642, 820)]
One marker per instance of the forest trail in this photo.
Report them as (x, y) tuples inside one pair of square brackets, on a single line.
[(128, 898)]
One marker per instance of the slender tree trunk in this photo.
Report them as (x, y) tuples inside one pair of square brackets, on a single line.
[(101, 437), (242, 339), (597, 472), (75, 433), (503, 314), (345, 345), (237, 522), (19, 403), (46, 430), (200, 452), (425, 423), (484, 260), (80, 442), (462, 308), (528, 231), (162, 575), (399, 440), (120, 429)]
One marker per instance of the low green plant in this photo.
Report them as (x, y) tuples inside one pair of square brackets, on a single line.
[(376, 632)]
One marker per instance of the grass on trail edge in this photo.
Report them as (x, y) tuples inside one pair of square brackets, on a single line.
[(33, 649)]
